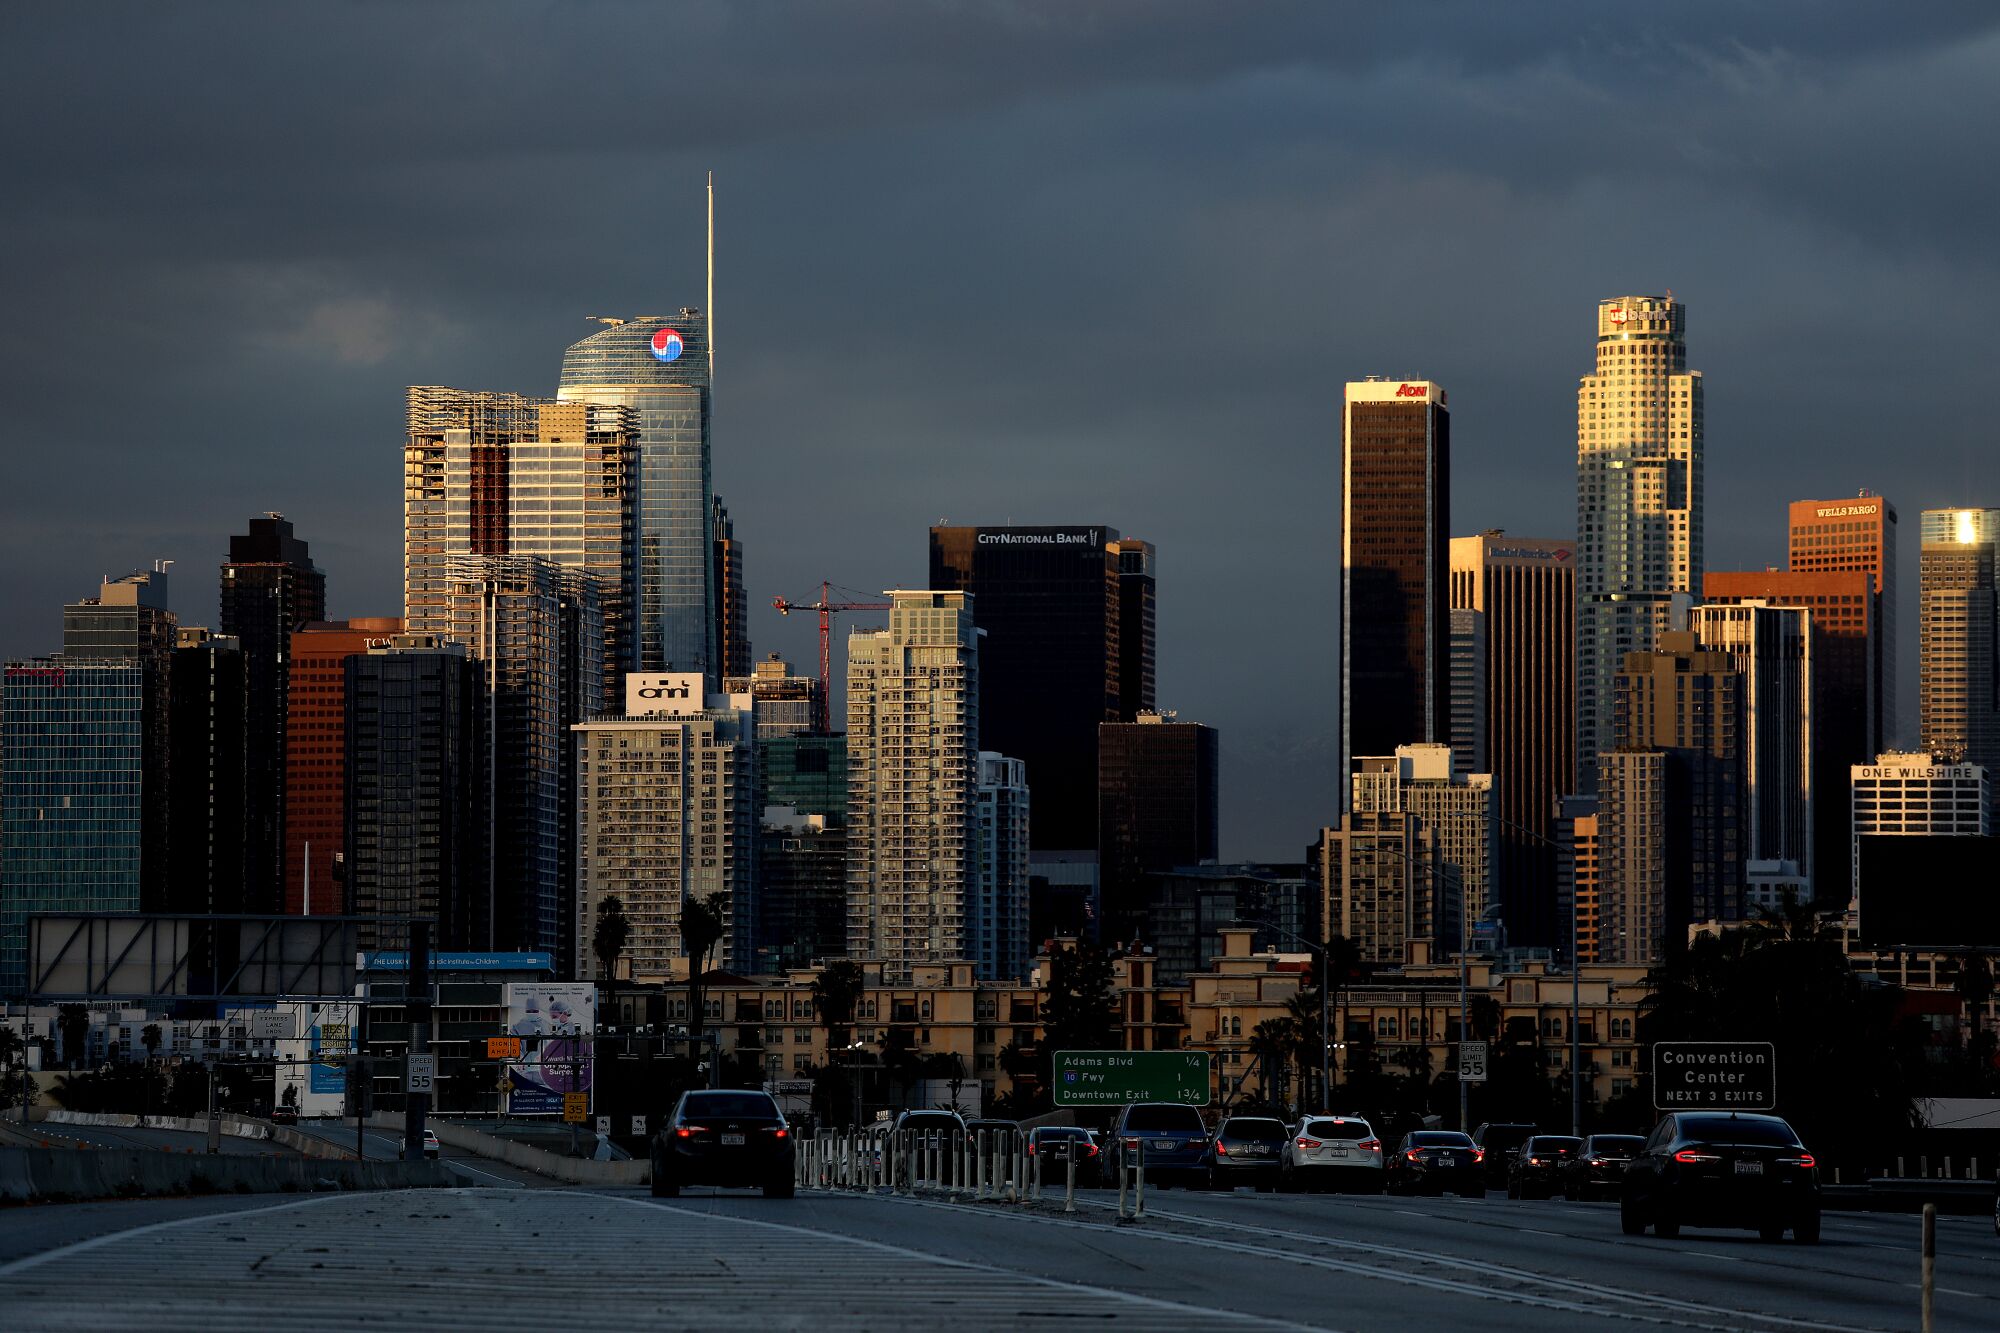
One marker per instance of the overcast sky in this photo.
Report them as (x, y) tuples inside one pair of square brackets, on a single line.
[(1032, 262)]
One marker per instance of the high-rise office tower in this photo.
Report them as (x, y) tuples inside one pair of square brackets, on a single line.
[(913, 728), (1395, 508), (1577, 876), (1772, 647), (1672, 832), (1845, 647), (1917, 796), (1524, 590), (1460, 812), (1138, 593), (1959, 635), (732, 601), (83, 795), (801, 887), (315, 822), (1846, 537), (270, 587), (497, 474), (786, 705), (417, 841), (997, 903), (536, 631), (1158, 808), (1638, 501), (1051, 608), (1468, 690), (1376, 886), (658, 365), (207, 725), (666, 818)]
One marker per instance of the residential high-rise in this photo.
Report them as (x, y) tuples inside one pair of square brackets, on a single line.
[(1772, 648), (1856, 536), (1458, 810), (83, 795), (1671, 832), (1917, 795), (315, 823), (417, 840), (1138, 593), (1577, 875), (913, 729), (658, 365), (997, 903), (1395, 508), (786, 705), (1051, 606), (1524, 590), (1468, 690), (270, 587), (207, 737), (1377, 887), (497, 474), (666, 813), (1638, 501), (1845, 646), (1158, 807), (732, 601), (1959, 635), (536, 631)]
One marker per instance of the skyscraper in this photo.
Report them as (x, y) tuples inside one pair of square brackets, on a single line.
[(913, 728), (496, 474), (1458, 810), (1856, 536), (1772, 648), (786, 705), (1469, 724), (1638, 501), (732, 602), (997, 903), (1158, 808), (666, 818), (658, 365), (1916, 796), (315, 824), (1959, 635), (208, 716), (270, 587), (1138, 595), (1376, 885), (1051, 607), (1395, 506), (1524, 590)]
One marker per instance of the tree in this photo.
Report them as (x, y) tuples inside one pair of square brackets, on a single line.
[(701, 931), (608, 941), (13, 1069), (150, 1037), (1271, 1043), (73, 1021), (1308, 1043), (901, 1060), (835, 993)]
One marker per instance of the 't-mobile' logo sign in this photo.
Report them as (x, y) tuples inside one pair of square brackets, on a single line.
[(666, 345)]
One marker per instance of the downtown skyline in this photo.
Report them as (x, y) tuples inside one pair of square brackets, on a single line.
[(1030, 343)]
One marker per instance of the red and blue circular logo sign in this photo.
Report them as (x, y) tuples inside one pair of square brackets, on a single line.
[(667, 345)]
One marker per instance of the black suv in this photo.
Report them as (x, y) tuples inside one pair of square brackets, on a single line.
[(1597, 1166), (1532, 1172), (1718, 1169), (724, 1138), (1497, 1142)]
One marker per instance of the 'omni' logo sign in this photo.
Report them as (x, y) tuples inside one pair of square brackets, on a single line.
[(676, 692)]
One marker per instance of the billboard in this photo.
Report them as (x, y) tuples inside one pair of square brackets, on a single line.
[(312, 1056), (553, 1021)]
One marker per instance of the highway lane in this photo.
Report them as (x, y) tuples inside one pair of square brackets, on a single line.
[(382, 1147), (168, 1140)]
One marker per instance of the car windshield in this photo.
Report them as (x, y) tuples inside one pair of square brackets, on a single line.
[(1616, 1145), (1732, 1129), (737, 1105), (1339, 1129), (1158, 1117), (1553, 1144), (1254, 1130), (1060, 1132), (1436, 1138)]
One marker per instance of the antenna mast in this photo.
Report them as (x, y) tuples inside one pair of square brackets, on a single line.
[(711, 281)]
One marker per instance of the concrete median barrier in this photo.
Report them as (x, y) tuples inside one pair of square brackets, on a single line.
[(554, 1166), (50, 1174)]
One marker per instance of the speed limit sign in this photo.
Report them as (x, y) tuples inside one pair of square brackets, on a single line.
[(1472, 1062)]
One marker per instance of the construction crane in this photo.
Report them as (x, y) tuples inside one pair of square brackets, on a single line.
[(826, 607)]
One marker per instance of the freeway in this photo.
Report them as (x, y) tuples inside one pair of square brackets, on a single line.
[(382, 1147), (499, 1257), (169, 1140)]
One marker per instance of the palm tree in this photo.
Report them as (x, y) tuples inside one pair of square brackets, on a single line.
[(613, 929), (73, 1021), (1303, 1010), (1271, 1043), (701, 931), (836, 991), (150, 1038)]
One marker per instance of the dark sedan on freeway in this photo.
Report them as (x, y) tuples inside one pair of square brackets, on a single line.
[(724, 1138), (1247, 1150), (1532, 1172), (1437, 1161), (1718, 1169), (1598, 1166), (1051, 1149)]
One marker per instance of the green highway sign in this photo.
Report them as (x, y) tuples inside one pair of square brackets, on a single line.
[(1112, 1078)]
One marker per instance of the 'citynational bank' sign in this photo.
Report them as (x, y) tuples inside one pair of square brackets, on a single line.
[(1045, 537)]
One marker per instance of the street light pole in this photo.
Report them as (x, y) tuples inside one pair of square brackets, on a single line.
[(1325, 986)]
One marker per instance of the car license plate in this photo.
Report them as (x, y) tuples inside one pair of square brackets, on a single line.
[(1166, 1145), (1336, 1152), (732, 1140), (1749, 1168)]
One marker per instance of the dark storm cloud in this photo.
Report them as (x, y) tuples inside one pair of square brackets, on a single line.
[(1039, 262)]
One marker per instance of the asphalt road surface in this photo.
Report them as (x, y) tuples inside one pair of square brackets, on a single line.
[(495, 1258)]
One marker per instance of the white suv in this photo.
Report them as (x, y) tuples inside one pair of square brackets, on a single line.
[(1331, 1151)]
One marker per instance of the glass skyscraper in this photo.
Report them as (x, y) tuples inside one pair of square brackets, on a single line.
[(658, 365)]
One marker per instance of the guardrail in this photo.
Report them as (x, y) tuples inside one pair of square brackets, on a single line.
[(236, 1126), (569, 1170), (50, 1174), (1891, 1194), (986, 1167)]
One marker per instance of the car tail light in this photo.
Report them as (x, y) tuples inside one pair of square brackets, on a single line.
[(1414, 1155), (1593, 1161), (1803, 1159), (1221, 1148), (1308, 1143), (1093, 1149), (1691, 1157), (1534, 1161), (689, 1131), (781, 1131), (1372, 1145), (1479, 1154), (1031, 1147)]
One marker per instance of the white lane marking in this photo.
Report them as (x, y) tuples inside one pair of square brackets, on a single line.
[(458, 1164), (1720, 1258), (110, 1237), (1012, 1274)]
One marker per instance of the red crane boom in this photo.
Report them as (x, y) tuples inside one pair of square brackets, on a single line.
[(826, 607)]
